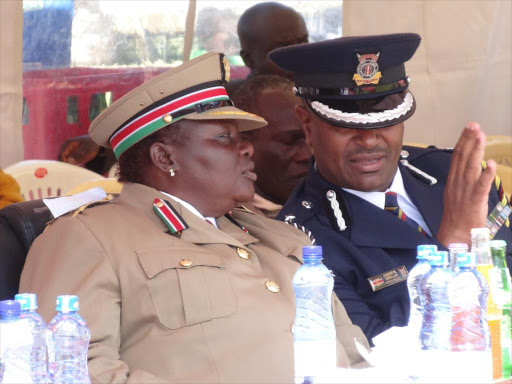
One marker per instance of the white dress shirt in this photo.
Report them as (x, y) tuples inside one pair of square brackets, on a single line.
[(404, 201), (188, 206)]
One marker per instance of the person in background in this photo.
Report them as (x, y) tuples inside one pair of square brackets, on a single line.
[(9, 190), (281, 156), (261, 28), (265, 27), (174, 281), (368, 201)]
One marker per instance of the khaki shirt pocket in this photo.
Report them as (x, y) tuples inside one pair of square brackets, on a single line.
[(183, 294)]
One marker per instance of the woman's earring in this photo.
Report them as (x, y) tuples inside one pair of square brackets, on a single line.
[(171, 172)]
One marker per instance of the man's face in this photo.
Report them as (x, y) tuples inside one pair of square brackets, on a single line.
[(360, 159), (282, 28), (281, 155)]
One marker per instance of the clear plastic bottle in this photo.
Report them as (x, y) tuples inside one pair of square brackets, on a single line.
[(480, 245), (314, 330), (15, 345), (437, 312), (67, 338), (28, 303), (498, 256), (468, 297), (413, 282), (470, 342)]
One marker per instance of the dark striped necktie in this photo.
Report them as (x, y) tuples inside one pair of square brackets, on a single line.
[(391, 205)]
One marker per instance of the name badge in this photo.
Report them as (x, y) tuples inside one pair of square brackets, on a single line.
[(388, 278)]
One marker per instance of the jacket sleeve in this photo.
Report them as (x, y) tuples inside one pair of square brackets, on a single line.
[(67, 259), (346, 332), (360, 313)]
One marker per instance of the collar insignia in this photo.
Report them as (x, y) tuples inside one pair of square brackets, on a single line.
[(169, 216), (368, 69)]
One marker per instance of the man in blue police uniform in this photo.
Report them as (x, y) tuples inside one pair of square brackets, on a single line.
[(367, 200)]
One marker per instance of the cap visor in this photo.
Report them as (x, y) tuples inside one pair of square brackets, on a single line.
[(246, 121)]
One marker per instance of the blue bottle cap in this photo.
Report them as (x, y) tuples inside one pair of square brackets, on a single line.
[(10, 308), (438, 258), (67, 303), (466, 259), (424, 250), (28, 301), (313, 252)]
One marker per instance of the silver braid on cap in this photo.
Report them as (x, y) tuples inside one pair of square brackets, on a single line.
[(335, 206)]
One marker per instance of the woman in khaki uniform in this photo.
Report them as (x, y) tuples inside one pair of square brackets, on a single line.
[(175, 283)]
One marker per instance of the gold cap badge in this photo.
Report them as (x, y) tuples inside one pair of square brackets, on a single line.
[(368, 69)]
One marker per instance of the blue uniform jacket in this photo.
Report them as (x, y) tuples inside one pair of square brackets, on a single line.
[(376, 241)]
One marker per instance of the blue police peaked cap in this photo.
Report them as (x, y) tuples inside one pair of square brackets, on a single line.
[(355, 81)]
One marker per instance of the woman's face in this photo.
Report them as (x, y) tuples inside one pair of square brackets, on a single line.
[(214, 170)]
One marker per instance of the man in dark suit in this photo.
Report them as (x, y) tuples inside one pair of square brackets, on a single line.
[(367, 200)]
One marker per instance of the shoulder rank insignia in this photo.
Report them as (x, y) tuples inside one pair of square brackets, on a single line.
[(107, 199), (367, 70), (169, 216)]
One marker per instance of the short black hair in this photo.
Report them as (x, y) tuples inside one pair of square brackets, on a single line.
[(245, 96), (134, 162)]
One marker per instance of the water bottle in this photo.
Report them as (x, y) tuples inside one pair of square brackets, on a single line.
[(314, 330), (28, 303), (16, 342), (437, 313), (468, 297), (67, 338), (498, 256), (470, 342), (413, 282), (453, 250)]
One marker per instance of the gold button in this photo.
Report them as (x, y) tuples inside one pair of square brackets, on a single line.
[(159, 204), (243, 253), (167, 118), (185, 263), (272, 286)]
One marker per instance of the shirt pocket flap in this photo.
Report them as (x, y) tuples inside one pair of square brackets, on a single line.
[(154, 261)]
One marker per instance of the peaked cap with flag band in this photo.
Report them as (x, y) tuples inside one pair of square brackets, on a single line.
[(356, 81), (194, 91)]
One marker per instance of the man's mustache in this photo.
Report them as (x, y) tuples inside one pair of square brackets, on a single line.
[(365, 151)]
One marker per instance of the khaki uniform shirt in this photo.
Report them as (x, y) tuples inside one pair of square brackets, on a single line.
[(153, 319)]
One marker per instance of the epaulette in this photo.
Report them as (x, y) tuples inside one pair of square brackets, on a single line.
[(92, 204), (242, 208), (109, 198), (303, 229), (406, 155)]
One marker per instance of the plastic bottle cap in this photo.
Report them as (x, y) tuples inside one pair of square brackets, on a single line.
[(313, 252), (424, 250), (27, 301), (438, 258), (466, 259), (67, 303), (480, 231), (10, 308)]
